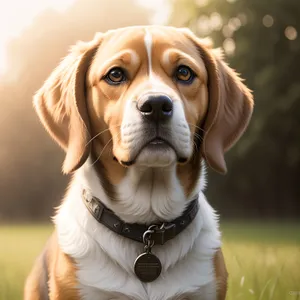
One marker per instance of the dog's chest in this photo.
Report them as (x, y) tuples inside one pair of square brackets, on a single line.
[(95, 294), (185, 280), (104, 260), (105, 271)]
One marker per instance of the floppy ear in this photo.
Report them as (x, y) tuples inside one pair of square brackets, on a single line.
[(61, 105), (229, 110)]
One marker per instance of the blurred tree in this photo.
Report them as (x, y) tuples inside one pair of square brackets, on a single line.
[(30, 179), (261, 41)]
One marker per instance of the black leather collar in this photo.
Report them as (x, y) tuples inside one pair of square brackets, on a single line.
[(160, 233)]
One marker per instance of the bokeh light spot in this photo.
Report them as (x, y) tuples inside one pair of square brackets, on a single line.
[(291, 33), (229, 46), (216, 21), (227, 31), (201, 3), (203, 25), (268, 21)]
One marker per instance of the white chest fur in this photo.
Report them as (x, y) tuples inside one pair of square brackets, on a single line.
[(105, 260)]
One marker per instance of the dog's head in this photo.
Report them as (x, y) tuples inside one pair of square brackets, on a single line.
[(149, 96)]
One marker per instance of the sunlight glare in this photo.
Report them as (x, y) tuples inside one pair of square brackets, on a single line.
[(161, 10), (16, 15)]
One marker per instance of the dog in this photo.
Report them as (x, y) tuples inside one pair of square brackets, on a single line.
[(140, 111)]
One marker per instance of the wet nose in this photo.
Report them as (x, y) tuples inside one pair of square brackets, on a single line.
[(156, 107)]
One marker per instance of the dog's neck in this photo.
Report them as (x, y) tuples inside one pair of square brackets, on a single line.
[(106, 259), (144, 195)]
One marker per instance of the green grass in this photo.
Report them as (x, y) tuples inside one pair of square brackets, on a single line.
[(19, 246), (263, 260)]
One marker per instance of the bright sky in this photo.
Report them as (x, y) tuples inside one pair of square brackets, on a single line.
[(16, 15)]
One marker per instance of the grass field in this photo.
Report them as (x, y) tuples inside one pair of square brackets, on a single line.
[(263, 260)]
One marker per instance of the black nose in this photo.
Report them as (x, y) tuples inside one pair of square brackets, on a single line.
[(156, 107)]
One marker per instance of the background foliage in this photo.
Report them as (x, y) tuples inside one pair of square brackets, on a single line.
[(261, 42)]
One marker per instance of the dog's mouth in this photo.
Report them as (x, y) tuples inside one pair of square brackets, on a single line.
[(159, 142), (155, 146)]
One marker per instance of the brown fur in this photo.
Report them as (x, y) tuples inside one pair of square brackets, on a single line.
[(113, 99), (61, 277), (221, 275), (73, 121), (83, 114), (230, 107), (61, 105)]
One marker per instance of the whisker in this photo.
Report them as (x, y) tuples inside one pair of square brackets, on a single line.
[(196, 146), (197, 127), (198, 136), (101, 152), (98, 134)]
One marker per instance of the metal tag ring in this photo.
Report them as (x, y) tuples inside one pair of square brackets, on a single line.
[(148, 245), (147, 235)]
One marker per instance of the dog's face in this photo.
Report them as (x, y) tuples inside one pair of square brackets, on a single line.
[(149, 86), (144, 96)]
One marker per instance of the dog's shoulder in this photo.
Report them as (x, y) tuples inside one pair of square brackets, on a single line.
[(53, 275)]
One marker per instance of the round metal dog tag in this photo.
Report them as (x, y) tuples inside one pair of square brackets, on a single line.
[(147, 267)]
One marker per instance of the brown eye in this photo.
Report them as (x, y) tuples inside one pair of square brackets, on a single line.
[(184, 74), (115, 76)]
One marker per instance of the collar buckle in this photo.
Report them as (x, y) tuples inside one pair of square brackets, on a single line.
[(164, 233)]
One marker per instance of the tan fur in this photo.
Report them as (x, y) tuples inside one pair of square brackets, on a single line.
[(230, 107), (221, 275), (106, 103), (73, 125), (61, 276), (61, 105), (83, 114), (62, 280), (33, 290)]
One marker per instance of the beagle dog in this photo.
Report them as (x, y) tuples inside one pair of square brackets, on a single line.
[(139, 111)]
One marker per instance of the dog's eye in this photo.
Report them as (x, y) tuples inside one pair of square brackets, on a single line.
[(184, 74), (115, 76)]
